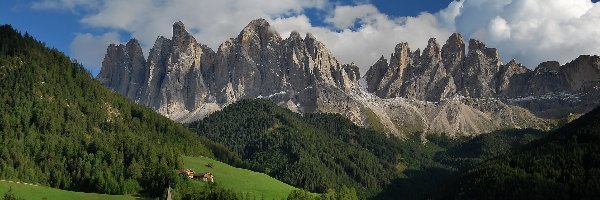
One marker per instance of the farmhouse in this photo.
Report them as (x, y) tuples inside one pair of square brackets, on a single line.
[(206, 177), (186, 172)]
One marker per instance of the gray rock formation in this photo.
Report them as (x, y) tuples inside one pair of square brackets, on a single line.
[(175, 81), (441, 75), (123, 69), (181, 77), (442, 89)]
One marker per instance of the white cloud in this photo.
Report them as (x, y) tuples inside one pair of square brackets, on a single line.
[(499, 29), (213, 22), (377, 35), (345, 16), (90, 49), (533, 31), (530, 30)]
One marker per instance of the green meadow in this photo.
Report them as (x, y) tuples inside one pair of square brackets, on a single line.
[(34, 192), (241, 181)]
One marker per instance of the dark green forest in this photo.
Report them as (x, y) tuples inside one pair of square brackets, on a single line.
[(564, 165), (306, 151), (327, 151), (61, 128)]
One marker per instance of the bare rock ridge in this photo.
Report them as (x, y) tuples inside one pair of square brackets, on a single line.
[(442, 89), (123, 69), (186, 80), (481, 74)]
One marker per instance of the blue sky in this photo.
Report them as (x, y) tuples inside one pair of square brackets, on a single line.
[(357, 31)]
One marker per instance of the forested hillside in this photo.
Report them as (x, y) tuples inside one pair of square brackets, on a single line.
[(321, 151), (303, 151), (565, 165), (61, 128)]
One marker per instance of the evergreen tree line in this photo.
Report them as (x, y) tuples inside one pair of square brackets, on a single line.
[(318, 151), (61, 128), (563, 165), (314, 152)]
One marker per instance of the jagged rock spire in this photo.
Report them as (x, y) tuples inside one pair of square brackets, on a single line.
[(181, 75)]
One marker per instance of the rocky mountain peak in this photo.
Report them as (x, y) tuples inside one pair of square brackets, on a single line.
[(133, 47), (123, 68), (309, 36), (185, 80), (181, 35), (382, 59), (453, 52), (456, 39), (401, 58), (582, 73), (295, 35), (179, 29), (402, 53), (433, 50), (258, 24), (134, 43), (517, 67), (476, 46), (375, 74), (548, 66), (258, 31)]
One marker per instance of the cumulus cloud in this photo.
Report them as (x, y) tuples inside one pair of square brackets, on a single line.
[(533, 31), (528, 30), (345, 16), (376, 35), (213, 22), (89, 49)]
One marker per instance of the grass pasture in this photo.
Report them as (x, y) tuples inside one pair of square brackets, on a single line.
[(35, 192), (241, 181)]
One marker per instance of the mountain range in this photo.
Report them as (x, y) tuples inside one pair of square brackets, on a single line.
[(452, 88), (63, 129)]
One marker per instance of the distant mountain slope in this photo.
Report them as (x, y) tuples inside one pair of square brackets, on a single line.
[(59, 127), (565, 165)]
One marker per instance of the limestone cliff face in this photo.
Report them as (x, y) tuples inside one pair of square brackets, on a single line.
[(442, 89), (175, 79), (478, 72), (439, 75), (181, 76), (249, 65), (511, 79), (411, 75), (259, 63), (124, 69)]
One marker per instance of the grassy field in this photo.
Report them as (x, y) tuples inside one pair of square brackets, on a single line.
[(240, 180), (28, 192)]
